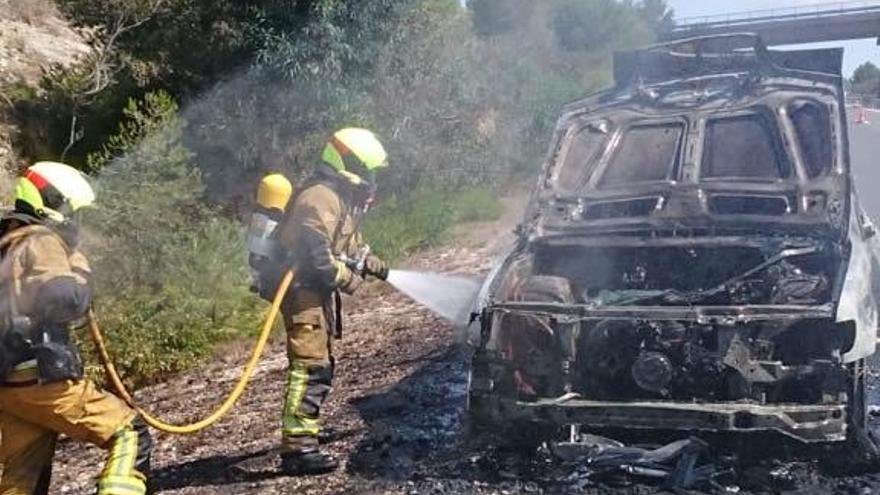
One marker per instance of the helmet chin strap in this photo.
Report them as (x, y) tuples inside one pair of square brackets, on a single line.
[(364, 194), (367, 190)]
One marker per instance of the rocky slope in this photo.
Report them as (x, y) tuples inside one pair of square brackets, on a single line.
[(33, 36)]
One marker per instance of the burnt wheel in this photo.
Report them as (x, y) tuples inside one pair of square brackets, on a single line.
[(526, 365)]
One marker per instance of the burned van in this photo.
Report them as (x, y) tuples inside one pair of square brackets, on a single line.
[(693, 258)]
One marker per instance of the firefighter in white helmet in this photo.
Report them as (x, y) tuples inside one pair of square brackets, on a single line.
[(44, 286)]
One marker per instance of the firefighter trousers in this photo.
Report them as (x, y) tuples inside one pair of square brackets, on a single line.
[(310, 370), (32, 416)]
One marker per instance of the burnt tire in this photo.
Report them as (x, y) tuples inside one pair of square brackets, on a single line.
[(486, 417), (546, 288), (529, 435)]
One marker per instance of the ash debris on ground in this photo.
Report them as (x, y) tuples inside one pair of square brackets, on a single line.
[(399, 403)]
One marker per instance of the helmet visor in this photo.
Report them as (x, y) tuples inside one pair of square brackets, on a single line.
[(355, 166)]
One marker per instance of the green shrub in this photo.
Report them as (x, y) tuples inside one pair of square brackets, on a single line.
[(204, 301), (402, 225), (476, 204), (170, 274)]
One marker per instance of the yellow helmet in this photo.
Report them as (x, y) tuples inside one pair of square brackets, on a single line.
[(356, 154), (52, 190)]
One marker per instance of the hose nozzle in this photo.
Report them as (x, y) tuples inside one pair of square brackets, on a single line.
[(358, 262)]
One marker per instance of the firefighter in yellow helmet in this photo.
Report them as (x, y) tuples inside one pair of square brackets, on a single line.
[(44, 286), (320, 231)]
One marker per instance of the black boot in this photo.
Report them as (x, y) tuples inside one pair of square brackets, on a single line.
[(307, 462)]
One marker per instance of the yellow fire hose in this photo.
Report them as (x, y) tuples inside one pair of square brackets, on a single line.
[(233, 396)]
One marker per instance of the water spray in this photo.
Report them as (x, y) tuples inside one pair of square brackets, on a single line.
[(449, 296)]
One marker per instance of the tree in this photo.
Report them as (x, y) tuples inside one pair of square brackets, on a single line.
[(657, 14), (170, 276), (866, 80), (494, 17), (603, 24), (150, 194)]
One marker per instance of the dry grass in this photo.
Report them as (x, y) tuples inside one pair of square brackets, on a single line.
[(32, 12)]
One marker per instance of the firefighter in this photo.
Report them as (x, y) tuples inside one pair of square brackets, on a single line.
[(45, 287), (320, 232)]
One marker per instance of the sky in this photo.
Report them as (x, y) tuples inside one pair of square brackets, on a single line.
[(856, 52)]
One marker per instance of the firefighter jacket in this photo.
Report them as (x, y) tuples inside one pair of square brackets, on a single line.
[(321, 224), (47, 281)]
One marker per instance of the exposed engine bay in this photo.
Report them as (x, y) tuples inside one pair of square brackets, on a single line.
[(706, 275), (675, 325), (637, 357)]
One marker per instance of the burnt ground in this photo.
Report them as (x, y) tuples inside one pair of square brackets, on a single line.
[(400, 402)]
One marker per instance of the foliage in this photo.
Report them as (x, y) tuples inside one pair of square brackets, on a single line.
[(180, 45), (476, 204), (460, 96), (606, 25), (62, 117), (495, 17), (149, 192), (405, 224), (453, 107), (866, 80), (169, 272)]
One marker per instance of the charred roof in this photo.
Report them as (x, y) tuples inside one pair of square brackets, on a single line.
[(723, 55)]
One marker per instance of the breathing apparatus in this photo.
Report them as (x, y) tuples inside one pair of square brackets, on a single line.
[(264, 253), (50, 194)]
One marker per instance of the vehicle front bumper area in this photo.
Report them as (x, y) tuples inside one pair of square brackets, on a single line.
[(821, 423)]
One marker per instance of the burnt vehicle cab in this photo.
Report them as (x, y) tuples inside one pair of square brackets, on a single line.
[(693, 257)]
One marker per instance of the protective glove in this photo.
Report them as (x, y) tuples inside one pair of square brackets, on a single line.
[(347, 280), (374, 266)]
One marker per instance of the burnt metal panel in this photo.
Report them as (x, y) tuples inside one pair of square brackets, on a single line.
[(719, 314), (716, 55), (805, 423), (860, 293)]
